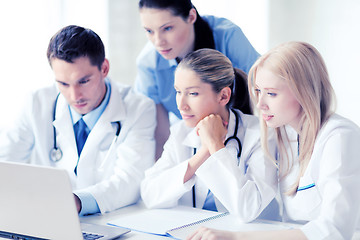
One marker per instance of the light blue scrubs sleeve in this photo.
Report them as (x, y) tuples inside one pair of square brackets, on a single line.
[(240, 51), (145, 81), (88, 202), (232, 42)]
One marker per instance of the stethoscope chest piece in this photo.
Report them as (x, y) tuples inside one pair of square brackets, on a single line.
[(56, 154)]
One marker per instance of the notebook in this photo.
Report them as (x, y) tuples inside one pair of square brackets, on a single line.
[(180, 221), (37, 203)]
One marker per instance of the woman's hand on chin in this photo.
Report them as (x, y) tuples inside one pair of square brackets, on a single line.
[(212, 131)]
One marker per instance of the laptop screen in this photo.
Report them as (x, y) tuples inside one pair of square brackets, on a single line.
[(38, 202)]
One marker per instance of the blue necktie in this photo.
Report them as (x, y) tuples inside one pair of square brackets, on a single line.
[(81, 133), (209, 203)]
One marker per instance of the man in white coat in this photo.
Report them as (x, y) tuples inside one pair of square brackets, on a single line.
[(100, 131)]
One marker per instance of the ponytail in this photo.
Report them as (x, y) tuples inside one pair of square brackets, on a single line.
[(240, 98), (203, 34)]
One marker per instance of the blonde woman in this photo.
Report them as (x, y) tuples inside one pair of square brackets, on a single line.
[(213, 158), (318, 149)]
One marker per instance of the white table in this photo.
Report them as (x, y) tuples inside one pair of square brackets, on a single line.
[(134, 235), (105, 218)]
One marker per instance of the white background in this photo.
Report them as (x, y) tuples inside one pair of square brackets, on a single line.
[(332, 26)]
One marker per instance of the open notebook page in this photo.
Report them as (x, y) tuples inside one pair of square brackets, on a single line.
[(228, 223), (160, 221)]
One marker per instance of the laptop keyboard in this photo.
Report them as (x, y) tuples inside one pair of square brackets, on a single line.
[(91, 236)]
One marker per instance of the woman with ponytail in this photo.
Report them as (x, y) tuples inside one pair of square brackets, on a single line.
[(174, 29), (318, 150), (213, 158)]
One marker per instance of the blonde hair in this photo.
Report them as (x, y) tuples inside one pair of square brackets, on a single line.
[(302, 66)]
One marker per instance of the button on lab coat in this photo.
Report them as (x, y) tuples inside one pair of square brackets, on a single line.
[(241, 186), (117, 184)]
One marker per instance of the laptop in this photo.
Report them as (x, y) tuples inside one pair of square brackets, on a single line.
[(37, 203)]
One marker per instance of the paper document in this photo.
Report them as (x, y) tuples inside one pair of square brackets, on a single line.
[(161, 221), (228, 223), (181, 221)]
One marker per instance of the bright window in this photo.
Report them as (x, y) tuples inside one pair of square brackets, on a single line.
[(26, 28)]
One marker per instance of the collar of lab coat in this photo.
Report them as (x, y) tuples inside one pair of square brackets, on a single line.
[(192, 140), (63, 121)]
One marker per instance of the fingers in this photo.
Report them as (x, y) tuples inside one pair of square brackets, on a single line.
[(204, 233), (78, 203), (211, 122), (212, 132), (201, 233), (212, 118)]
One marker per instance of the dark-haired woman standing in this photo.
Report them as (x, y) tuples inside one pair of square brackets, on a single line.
[(175, 29)]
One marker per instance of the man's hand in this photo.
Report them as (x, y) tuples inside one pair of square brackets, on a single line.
[(78, 203)]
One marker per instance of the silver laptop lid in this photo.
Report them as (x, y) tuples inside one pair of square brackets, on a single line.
[(37, 201)]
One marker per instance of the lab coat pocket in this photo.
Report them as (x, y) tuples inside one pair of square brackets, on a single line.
[(105, 165), (105, 143), (106, 154), (307, 200)]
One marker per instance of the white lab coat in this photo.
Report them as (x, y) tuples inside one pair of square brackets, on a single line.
[(241, 186), (118, 183), (331, 208)]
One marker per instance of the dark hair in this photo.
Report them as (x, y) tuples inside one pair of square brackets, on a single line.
[(178, 7), (216, 69), (240, 99), (203, 33), (72, 42)]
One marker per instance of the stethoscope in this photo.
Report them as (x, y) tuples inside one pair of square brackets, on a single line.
[(56, 153), (233, 137)]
